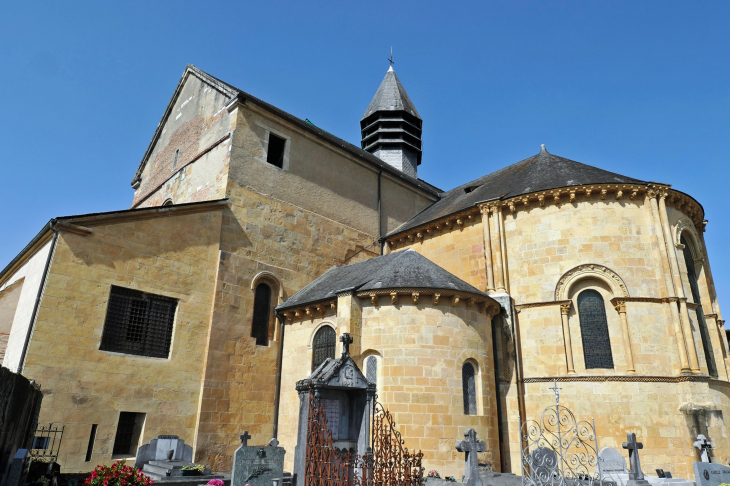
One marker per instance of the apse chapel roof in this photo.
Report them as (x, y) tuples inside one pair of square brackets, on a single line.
[(400, 270), (540, 172)]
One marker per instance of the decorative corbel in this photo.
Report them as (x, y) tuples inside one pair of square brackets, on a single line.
[(297, 313), (454, 300), (419, 235), (572, 195), (492, 311), (619, 194), (375, 300), (511, 205), (541, 199), (556, 197), (415, 297), (588, 192), (447, 223), (394, 298), (308, 311), (459, 222), (333, 305), (410, 237), (436, 299), (287, 316), (320, 310), (603, 193), (633, 194), (469, 302)]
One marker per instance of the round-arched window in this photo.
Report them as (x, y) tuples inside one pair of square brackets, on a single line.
[(323, 346), (469, 389), (594, 330)]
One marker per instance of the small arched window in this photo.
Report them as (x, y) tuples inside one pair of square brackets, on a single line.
[(695, 288), (371, 369), (168, 202), (469, 389), (261, 311), (594, 330), (324, 346)]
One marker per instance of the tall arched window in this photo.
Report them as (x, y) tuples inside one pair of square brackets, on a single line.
[(261, 311), (694, 285), (469, 389), (371, 369), (594, 330), (324, 346)]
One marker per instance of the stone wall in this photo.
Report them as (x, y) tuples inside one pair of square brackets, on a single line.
[(174, 256), (9, 297)]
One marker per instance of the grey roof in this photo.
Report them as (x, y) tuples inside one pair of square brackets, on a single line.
[(540, 172), (391, 96), (234, 92), (402, 269)]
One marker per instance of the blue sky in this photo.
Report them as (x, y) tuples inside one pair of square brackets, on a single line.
[(639, 88)]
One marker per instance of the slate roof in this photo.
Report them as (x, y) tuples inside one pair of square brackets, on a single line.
[(402, 269), (243, 96), (540, 172), (391, 96)]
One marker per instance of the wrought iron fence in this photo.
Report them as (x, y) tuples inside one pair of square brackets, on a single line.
[(47, 442)]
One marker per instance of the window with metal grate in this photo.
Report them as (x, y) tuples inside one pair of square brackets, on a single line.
[(594, 330), (261, 313), (324, 346), (372, 370), (138, 323), (469, 389), (129, 429)]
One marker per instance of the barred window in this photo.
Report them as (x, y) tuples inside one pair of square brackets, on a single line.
[(261, 312), (695, 288), (371, 370), (469, 389), (594, 330), (138, 323), (324, 346)]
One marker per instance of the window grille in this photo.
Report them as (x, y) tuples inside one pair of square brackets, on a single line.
[(371, 372), (594, 330), (138, 323), (704, 332), (261, 311), (469, 389), (324, 346), (125, 433)]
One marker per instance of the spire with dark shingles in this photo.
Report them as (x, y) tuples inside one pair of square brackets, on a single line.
[(391, 96)]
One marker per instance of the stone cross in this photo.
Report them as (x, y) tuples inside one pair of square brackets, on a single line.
[(244, 438), (273, 442), (471, 465), (346, 340), (633, 448), (704, 446)]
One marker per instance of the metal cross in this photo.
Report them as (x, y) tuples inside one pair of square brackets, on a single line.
[(346, 340), (633, 448), (557, 392), (244, 438), (390, 59)]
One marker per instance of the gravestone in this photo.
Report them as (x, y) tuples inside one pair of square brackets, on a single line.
[(544, 463), (19, 468), (257, 465), (470, 446), (636, 476), (709, 474), (158, 448), (611, 462), (704, 446)]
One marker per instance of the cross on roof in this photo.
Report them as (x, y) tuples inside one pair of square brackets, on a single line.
[(634, 461), (390, 59), (244, 438), (346, 340)]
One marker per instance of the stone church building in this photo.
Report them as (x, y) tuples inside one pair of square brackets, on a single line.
[(255, 239)]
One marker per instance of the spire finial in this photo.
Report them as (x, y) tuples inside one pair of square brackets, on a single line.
[(390, 59), (542, 148)]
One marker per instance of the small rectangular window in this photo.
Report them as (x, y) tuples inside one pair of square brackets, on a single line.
[(174, 161), (129, 430), (138, 323), (90, 447), (276, 151)]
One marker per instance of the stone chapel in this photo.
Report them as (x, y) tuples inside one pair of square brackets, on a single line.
[(255, 239)]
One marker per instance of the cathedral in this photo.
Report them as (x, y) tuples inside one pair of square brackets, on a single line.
[(255, 240)]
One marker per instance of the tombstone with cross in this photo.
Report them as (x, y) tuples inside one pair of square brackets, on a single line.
[(636, 476), (704, 446), (470, 446), (257, 465)]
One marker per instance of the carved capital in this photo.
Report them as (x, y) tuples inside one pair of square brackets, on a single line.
[(484, 209), (620, 306), (565, 308), (652, 193)]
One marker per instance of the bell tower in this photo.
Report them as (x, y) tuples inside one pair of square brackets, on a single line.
[(391, 126)]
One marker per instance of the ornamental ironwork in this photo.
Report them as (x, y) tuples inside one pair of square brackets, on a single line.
[(560, 450)]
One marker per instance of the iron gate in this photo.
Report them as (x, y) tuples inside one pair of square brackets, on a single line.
[(386, 463)]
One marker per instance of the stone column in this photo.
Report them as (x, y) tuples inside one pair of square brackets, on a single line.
[(487, 247), (718, 342), (678, 289), (564, 311), (497, 250), (503, 249), (620, 307)]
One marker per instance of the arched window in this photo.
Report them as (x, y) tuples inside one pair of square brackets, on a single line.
[(469, 389), (168, 202), (324, 346), (371, 369), (594, 330), (694, 285), (261, 311)]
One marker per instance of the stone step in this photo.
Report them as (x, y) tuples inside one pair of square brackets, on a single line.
[(150, 469)]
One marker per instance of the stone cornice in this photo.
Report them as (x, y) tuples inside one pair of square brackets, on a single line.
[(309, 311), (484, 303), (629, 378), (678, 200), (548, 303)]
